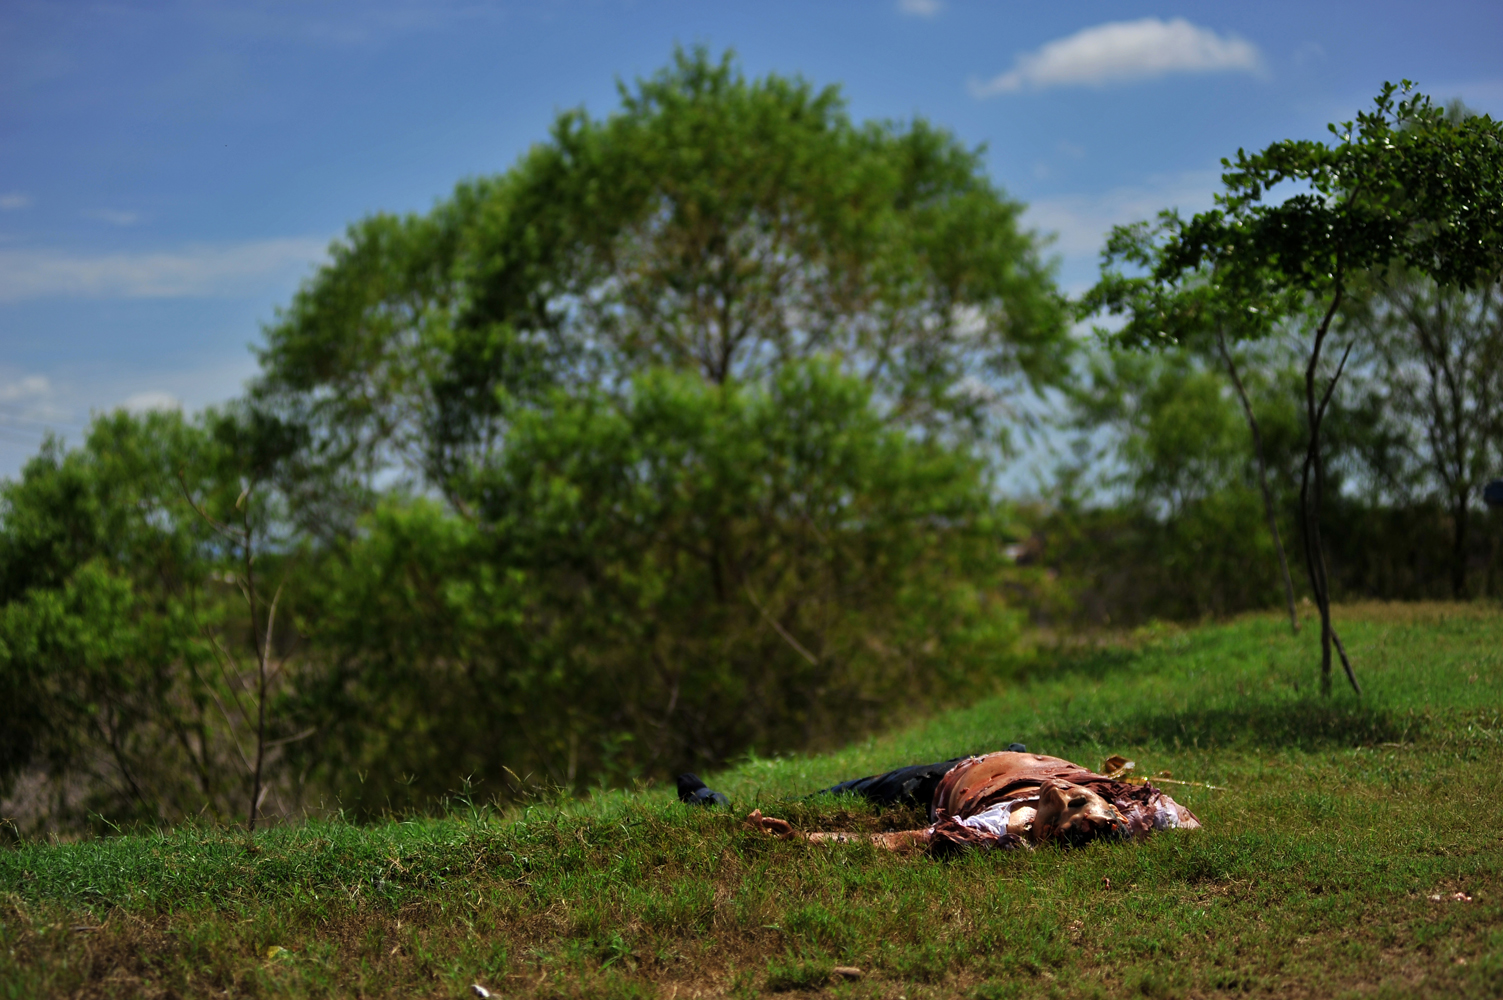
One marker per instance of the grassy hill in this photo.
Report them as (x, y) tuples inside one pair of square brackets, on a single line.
[(1327, 867)]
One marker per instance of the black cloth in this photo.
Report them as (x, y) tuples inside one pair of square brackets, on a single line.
[(911, 786), (692, 791)]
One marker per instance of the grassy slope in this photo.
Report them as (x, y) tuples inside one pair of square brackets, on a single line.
[(1312, 877)]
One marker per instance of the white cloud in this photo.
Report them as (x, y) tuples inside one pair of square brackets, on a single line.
[(154, 399), (14, 200), (25, 389), (66, 398), (1120, 51), (114, 216), (920, 8), (28, 410), (199, 271)]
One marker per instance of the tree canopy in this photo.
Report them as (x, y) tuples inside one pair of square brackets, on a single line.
[(711, 224)]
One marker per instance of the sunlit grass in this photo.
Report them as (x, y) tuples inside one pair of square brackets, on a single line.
[(1314, 874)]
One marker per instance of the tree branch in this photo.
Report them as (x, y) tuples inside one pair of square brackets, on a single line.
[(1268, 509), (797, 646)]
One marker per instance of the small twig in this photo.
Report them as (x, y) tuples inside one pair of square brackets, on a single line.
[(231, 725), (223, 529), (258, 790), (1325, 400), (1175, 781), (219, 703), (1346, 664), (1268, 506), (223, 658), (798, 646), (292, 739), (271, 621)]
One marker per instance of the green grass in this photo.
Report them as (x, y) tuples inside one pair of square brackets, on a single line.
[(1312, 877)]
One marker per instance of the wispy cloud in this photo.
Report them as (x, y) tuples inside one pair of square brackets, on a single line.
[(25, 389), (28, 408), (13, 200), (1484, 95), (65, 399), (1123, 51), (201, 271), (152, 399), (921, 8), (1080, 223), (114, 216)]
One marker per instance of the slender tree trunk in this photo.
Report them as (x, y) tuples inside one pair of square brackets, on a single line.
[(260, 745), (1490, 584), (250, 597), (1310, 502), (1268, 508), (1459, 537), (244, 536), (1310, 512)]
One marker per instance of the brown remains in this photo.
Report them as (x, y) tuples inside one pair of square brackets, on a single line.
[(1008, 799)]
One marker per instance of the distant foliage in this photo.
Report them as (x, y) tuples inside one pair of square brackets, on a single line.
[(1406, 184), (124, 643), (1157, 516), (678, 441)]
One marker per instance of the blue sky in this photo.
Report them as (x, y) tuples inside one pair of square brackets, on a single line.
[(169, 171)]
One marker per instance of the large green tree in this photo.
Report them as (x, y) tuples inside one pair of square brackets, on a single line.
[(658, 584), (711, 224), (665, 444), (693, 403)]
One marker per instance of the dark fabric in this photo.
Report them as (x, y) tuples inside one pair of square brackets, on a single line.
[(692, 791), (912, 786), (909, 786)]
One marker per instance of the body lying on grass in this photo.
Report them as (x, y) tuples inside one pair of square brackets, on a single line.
[(1005, 799)]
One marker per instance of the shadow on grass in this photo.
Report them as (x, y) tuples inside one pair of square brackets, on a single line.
[(1087, 665), (1303, 724)]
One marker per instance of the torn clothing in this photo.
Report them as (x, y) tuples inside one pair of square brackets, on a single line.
[(1007, 799), (996, 796)]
